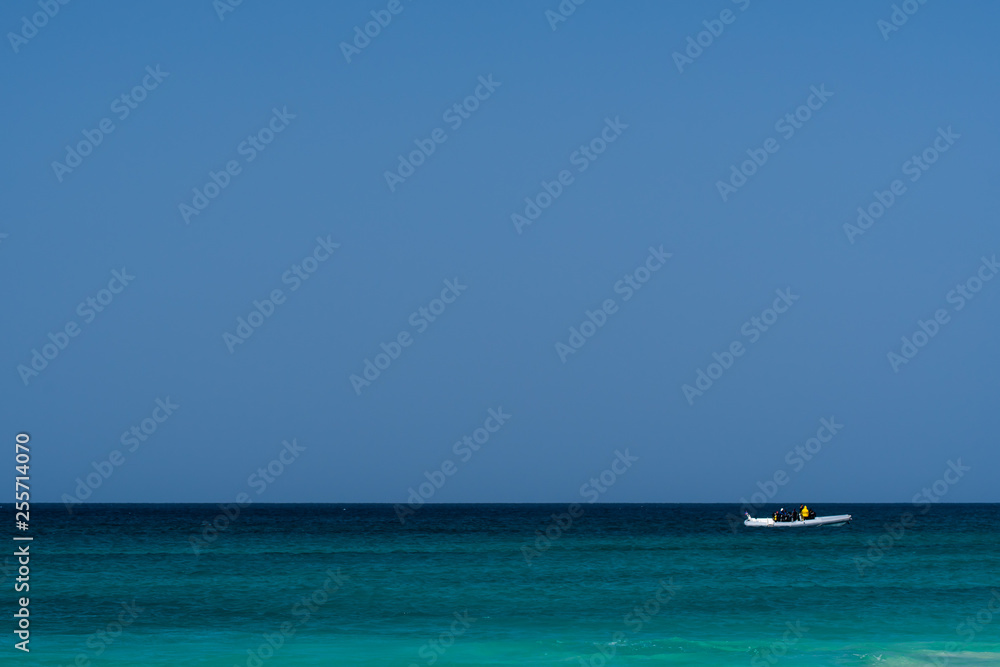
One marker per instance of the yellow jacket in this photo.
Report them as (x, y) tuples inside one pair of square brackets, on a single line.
[(805, 512)]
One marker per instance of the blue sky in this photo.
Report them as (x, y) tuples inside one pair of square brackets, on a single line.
[(641, 146)]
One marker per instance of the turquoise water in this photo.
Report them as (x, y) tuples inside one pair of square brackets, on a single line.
[(458, 585)]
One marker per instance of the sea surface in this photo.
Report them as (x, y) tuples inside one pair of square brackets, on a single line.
[(481, 585)]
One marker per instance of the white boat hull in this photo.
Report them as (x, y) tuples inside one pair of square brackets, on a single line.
[(835, 520)]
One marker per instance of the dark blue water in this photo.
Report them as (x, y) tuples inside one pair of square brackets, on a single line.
[(510, 584)]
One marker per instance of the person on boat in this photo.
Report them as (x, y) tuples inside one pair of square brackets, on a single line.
[(806, 514)]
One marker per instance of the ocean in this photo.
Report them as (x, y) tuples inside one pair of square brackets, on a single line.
[(594, 585)]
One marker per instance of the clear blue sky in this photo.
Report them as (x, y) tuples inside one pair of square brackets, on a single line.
[(610, 68)]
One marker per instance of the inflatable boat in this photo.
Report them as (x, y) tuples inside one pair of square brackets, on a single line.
[(835, 520)]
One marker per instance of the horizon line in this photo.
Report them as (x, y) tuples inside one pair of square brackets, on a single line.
[(520, 502)]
